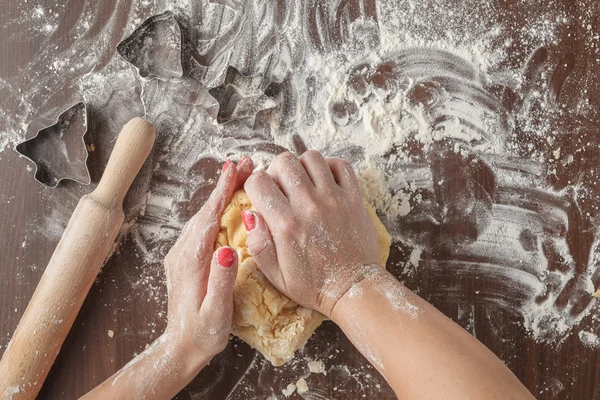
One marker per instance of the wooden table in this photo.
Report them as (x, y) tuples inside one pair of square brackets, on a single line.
[(129, 297)]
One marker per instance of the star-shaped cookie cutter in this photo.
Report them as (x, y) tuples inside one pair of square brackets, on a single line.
[(155, 48), (57, 153), (241, 98)]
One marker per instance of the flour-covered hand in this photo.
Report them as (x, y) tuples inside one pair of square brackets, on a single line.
[(311, 234), (200, 310), (200, 280)]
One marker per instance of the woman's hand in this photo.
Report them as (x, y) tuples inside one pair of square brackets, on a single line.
[(312, 236), (200, 284), (199, 280), (314, 241)]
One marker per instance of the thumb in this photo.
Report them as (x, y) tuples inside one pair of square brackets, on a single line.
[(261, 247), (223, 271)]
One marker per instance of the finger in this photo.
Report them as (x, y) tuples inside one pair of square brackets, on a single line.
[(221, 195), (343, 174), (262, 248), (244, 170), (266, 196), (289, 174), (218, 200), (219, 291), (317, 168), (186, 278), (200, 232), (187, 261)]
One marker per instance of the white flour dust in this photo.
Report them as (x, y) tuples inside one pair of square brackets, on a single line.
[(447, 111), (589, 339), (43, 87)]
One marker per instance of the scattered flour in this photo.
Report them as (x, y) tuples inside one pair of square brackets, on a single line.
[(11, 392), (375, 187), (589, 339), (336, 96), (383, 96)]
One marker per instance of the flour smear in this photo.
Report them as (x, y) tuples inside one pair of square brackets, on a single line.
[(412, 107), (452, 114)]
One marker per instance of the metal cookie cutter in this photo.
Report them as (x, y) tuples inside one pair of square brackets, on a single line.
[(155, 48), (59, 151), (241, 98)]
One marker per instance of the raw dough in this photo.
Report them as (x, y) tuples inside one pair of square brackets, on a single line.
[(302, 386), (263, 317)]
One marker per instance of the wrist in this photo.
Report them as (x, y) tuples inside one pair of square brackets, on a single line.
[(377, 291), (184, 354), (350, 286)]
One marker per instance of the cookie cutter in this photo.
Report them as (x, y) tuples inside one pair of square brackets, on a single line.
[(241, 97), (155, 48), (56, 153)]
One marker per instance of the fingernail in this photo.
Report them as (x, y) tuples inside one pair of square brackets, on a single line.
[(249, 220), (226, 257), (226, 165), (243, 160)]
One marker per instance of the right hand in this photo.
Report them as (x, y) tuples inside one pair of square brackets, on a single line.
[(311, 235)]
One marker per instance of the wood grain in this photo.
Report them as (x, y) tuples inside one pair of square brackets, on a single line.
[(124, 297), (78, 257)]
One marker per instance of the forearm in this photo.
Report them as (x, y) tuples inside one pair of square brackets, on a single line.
[(421, 352), (160, 372)]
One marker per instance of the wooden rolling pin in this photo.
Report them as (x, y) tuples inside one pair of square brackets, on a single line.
[(80, 254)]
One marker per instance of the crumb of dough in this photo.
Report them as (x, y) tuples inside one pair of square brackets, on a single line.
[(111, 333), (287, 392), (597, 294), (316, 367), (302, 385)]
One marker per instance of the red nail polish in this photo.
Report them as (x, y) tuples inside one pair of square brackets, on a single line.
[(226, 257), (249, 220), (243, 160), (226, 165)]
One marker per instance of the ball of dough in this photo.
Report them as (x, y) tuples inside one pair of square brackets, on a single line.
[(263, 317)]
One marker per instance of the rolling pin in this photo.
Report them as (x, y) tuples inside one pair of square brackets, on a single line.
[(80, 254)]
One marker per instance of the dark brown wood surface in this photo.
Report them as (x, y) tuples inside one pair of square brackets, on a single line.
[(129, 296)]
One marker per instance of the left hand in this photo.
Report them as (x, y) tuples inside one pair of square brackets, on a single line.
[(199, 280), (200, 285)]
